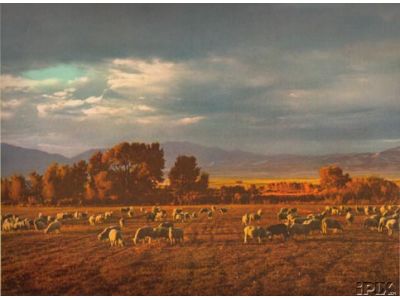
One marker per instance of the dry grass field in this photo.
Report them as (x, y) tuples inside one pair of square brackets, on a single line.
[(212, 261)]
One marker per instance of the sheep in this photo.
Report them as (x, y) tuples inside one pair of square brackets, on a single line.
[(213, 208), (204, 210), (282, 215), (255, 216), (50, 219), (92, 220), (392, 225), (175, 235), (277, 229), (53, 227), (155, 209), (143, 234), (121, 222), (108, 215), (68, 216), (210, 215), (60, 216), (99, 219), (8, 225), (299, 229), (370, 223), (313, 224), (150, 217), (124, 209), (39, 224), (246, 219), (77, 215), (349, 218), (194, 215), (223, 210), (254, 232), (367, 210), (131, 214), (161, 215), (166, 224), (335, 211), (161, 232), (295, 219), (175, 212), (186, 216), (115, 237), (359, 210), (142, 210), (384, 220), (179, 217), (104, 235), (330, 224)]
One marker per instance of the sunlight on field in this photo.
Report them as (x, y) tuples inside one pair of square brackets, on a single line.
[(217, 182)]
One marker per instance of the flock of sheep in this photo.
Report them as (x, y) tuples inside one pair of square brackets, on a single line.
[(290, 222)]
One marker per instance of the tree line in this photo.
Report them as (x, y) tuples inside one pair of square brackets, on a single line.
[(132, 173)]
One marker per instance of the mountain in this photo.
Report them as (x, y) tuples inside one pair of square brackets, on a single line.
[(16, 159), (220, 162)]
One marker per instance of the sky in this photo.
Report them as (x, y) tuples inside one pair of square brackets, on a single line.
[(265, 78)]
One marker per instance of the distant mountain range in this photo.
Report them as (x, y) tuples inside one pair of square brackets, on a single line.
[(219, 162)]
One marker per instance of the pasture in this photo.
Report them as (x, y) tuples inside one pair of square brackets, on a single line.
[(212, 260)]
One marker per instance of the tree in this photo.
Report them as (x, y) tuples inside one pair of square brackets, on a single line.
[(51, 183), (184, 173), (18, 189), (5, 189), (333, 177), (36, 186)]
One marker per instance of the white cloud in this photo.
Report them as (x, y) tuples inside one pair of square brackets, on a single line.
[(16, 83), (190, 120)]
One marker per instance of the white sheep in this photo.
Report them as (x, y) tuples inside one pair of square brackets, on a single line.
[(92, 220), (115, 237), (122, 222), (330, 224), (246, 219), (392, 225), (99, 219), (53, 227), (223, 210), (175, 235), (349, 218)]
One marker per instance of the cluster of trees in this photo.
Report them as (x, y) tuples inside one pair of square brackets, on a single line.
[(126, 173), (342, 189), (133, 173)]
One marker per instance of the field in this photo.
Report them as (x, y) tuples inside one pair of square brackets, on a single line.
[(212, 261)]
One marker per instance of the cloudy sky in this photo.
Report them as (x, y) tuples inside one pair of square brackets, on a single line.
[(266, 78)]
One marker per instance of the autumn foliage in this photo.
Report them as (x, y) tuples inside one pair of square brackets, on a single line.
[(132, 173)]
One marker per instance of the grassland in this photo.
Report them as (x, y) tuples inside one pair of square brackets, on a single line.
[(212, 261)]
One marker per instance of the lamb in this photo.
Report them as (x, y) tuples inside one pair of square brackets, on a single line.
[(254, 232), (53, 227), (104, 235), (204, 210), (349, 218), (122, 222), (299, 229), (175, 235), (115, 238), (277, 229), (330, 224), (314, 224), (370, 223), (143, 234), (99, 219), (223, 210), (392, 225), (92, 220), (246, 219)]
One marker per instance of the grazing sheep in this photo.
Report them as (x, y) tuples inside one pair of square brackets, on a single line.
[(367, 210), (166, 224), (175, 235), (384, 220), (335, 211), (155, 209), (92, 220), (175, 212), (8, 225), (115, 237), (50, 219), (77, 215), (150, 217), (370, 223), (282, 215), (223, 210), (255, 216), (53, 227), (124, 209), (179, 217), (254, 232), (131, 214), (122, 222), (213, 208), (349, 218), (143, 234), (108, 215), (204, 210), (246, 219), (210, 214), (161, 215), (392, 225), (99, 219), (142, 209), (104, 235), (277, 229), (330, 224), (359, 210), (313, 224), (299, 229), (161, 232), (293, 211), (60, 216), (194, 215), (39, 224)]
